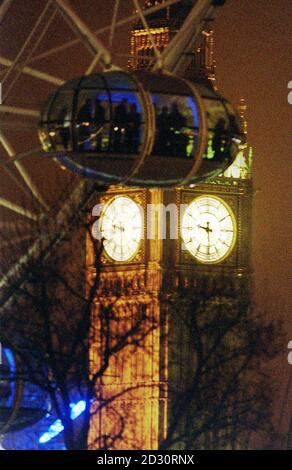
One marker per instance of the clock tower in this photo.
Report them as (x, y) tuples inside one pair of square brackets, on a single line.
[(156, 241)]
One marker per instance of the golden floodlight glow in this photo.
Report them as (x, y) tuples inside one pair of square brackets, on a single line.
[(208, 229), (121, 227)]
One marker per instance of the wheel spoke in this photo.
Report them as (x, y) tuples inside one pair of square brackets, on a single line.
[(20, 224), (122, 22), (32, 72), (32, 49), (150, 35), (21, 111), (18, 209), (93, 64), (21, 156), (87, 37), (16, 240), (178, 54), (14, 178), (22, 171), (30, 36), (17, 125), (96, 59), (113, 25), (6, 4)]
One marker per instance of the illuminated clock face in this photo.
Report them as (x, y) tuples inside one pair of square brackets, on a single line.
[(208, 229), (121, 227)]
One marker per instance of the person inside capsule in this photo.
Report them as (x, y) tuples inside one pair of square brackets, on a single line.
[(178, 141), (90, 124), (84, 121), (171, 138), (99, 122), (119, 126), (224, 136), (219, 139), (163, 132), (133, 123), (62, 129), (126, 128)]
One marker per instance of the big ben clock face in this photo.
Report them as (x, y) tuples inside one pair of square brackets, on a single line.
[(121, 227), (208, 229)]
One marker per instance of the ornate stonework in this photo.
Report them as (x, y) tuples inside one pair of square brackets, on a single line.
[(159, 269)]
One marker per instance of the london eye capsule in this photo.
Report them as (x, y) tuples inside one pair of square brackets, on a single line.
[(21, 403), (140, 129)]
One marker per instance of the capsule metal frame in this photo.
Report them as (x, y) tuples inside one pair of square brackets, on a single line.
[(191, 169)]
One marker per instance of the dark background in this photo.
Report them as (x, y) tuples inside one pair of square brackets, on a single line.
[(254, 61), (253, 52)]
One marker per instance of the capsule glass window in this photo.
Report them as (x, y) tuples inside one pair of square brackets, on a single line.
[(235, 130), (127, 128), (177, 125), (108, 117), (59, 121), (55, 132), (91, 123), (218, 130)]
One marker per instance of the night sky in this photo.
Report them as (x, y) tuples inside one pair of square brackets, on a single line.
[(254, 60)]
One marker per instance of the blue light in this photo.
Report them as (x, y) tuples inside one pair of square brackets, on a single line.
[(12, 374), (57, 427), (77, 409), (10, 359)]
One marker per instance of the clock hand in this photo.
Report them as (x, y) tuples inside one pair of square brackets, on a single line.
[(119, 227), (122, 240), (208, 234), (208, 229)]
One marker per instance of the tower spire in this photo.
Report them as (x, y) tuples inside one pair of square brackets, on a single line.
[(164, 24), (203, 63), (242, 111)]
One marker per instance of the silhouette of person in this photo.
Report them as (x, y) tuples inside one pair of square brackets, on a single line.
[(234, 128), (99, 120), (163, 132), (133, 129), (178, 141), (219, 139), (120, 122), (84, 119), (233, 137), (63, 131)]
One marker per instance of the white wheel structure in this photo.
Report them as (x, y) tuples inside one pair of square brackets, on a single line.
[(43, 44)]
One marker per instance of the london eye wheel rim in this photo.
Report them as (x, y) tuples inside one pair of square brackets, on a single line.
[(15, 411)]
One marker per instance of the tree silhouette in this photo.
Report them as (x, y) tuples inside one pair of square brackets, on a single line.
[(49, 323), (219, 392)]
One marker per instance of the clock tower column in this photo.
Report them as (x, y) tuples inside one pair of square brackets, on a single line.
[(208, 238)]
